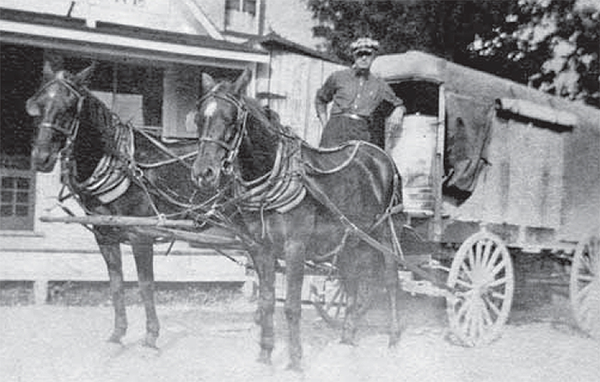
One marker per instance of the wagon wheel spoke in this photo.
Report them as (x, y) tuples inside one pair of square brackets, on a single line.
[(466, 271), (585, 278), (479, 252), (486, 253), (463, 309), (474, 328), (487, 317), (497, 295), (464, 284), (333, 300), (583, 292), (497, 269), (341, 302), (585, 285), (497, 282), (471, 258), (330, 302), (490, 265), (490, 304)]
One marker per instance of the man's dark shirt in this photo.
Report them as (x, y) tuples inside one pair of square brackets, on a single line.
[(355, 94)]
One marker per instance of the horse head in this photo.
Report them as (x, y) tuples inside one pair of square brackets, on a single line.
[(56, 107), (220, 119)]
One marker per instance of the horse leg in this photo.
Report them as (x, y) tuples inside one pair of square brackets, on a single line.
[(265, 268), (360, 296), (111, 252), (391, 285), (350, 284), (294, 263), (144, 261)]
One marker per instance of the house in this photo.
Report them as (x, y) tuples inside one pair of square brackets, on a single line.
[(149, 56)]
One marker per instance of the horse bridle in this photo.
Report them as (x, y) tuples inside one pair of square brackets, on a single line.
[(233, 147), (71, 131)]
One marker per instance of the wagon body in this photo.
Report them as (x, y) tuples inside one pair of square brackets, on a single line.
[(476, 150)]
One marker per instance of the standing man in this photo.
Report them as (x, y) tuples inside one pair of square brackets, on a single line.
[(356, 93)]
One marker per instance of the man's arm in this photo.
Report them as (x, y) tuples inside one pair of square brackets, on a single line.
[(397, 115), (323, 97), (321, 112)]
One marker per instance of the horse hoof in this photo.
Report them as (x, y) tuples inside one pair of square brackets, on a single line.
[(264, 361), (257, 317), (347, 341), (147, 352), (150, 344), (394, 340), (114, 339), (295, 367), (264, 358)]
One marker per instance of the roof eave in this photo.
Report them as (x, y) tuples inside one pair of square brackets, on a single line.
[(66, 33)]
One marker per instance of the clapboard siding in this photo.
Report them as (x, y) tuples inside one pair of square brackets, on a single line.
[(293, 80)]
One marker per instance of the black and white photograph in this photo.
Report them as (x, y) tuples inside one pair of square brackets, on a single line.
[(299, 190)]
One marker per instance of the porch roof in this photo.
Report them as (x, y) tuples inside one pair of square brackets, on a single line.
[(60, 32)]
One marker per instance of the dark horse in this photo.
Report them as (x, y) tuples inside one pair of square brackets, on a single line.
[(111, 168), (299, 204)]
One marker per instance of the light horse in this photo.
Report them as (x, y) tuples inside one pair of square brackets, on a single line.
[(300, 204), (111, 168)]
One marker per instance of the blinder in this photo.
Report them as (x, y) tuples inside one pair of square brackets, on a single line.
[(34, 110)]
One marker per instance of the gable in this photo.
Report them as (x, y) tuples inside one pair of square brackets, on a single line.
[(176, 16)]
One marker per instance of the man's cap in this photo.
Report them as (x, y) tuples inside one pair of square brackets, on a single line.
[(364, 44)]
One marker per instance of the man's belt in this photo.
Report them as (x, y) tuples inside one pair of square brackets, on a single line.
[(353, 116)]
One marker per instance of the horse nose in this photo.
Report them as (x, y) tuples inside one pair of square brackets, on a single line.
[(204, 175), (38, 155), (208, 174)]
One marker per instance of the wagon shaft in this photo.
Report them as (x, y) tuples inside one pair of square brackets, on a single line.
[(164, 228), (119, 221)]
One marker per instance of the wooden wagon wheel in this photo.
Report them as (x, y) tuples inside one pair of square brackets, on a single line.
[(585, 285), (482, 278), (330, 300)]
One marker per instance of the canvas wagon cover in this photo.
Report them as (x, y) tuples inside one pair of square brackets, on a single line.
[(472, 97), (466, 142)]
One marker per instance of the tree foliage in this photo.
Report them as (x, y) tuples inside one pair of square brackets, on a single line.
[(550, 44)]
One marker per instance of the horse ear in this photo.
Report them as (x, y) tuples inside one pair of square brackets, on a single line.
[(243, 80), (48, 73), (32, 108), (84, 76), (208, 83)]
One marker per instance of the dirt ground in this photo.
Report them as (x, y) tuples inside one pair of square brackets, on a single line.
[(219, 342)]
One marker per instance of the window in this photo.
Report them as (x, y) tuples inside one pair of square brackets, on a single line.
[(420, 97), (133, 92), (20, 74), (240, 16), (182, 87), (17, 197)]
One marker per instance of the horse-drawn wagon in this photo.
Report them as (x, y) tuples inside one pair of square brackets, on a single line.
[(493, 171), (490, 170)]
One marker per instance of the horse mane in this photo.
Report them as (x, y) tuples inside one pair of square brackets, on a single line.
[(267, 117), (261, 114), (97, 124)]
